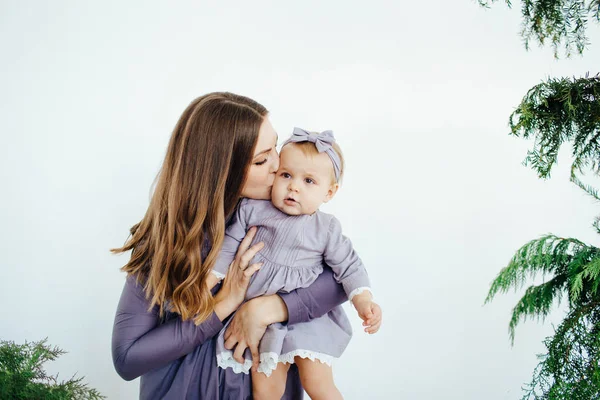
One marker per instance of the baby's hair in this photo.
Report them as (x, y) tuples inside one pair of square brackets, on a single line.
[(310, 149)]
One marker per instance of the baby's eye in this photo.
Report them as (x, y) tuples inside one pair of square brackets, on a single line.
[(285, 175), (309, 180)]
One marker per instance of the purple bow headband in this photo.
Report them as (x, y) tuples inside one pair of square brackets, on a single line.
[(324, 143)]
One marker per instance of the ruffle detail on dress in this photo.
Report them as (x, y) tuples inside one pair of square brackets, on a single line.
[(269, 361), (275, 278), (225, 360), (288, 358)]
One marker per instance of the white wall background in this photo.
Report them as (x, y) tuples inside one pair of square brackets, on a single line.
[(435, 198)]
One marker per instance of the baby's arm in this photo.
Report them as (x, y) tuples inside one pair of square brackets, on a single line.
[(351, 273), (368, 311), (234, 234)]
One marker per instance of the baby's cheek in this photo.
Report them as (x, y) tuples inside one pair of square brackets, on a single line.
[(312, 207), (277, 195)]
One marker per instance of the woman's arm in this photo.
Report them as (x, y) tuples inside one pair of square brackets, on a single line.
[(141, 343), (300, 305), (314, 301)]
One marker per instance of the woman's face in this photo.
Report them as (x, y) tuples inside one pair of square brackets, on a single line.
[(264, 164)]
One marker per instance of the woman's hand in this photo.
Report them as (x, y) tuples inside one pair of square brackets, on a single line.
[(233, 290), (249, 324)]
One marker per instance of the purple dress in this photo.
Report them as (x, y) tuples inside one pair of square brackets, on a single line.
[(176, 359), (297, 248)]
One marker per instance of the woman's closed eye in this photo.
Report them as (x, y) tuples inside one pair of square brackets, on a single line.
[(261, 162)]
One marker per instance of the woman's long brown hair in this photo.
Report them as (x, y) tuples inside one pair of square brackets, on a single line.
[(199, 184)]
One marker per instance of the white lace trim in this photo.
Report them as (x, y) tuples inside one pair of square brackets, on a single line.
[(219, 275), (269, 361), (225, 360), (288, 358), (359, 291)]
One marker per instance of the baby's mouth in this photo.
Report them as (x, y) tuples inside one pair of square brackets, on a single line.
[(289, 200)]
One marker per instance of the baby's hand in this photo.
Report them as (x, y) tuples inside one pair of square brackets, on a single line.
[(368, 311)]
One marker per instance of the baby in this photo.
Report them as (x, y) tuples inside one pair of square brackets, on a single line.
[(299, 242)]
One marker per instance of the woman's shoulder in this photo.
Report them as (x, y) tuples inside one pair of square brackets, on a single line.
[(133, 297), (134, 284)]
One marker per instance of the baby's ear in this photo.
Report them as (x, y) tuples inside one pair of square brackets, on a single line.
[(331, 192)]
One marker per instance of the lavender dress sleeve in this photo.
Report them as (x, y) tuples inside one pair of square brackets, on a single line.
[(314, 301), (348, 269), (141, 343)]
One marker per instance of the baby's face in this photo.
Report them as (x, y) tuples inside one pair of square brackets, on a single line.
[(303, 182)]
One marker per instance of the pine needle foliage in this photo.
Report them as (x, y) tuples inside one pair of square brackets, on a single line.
[(22, 376), (570, 369), (563, 23), (554, 113), (573, 269), (558, 111)]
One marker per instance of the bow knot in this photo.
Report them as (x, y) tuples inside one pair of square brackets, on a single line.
[(323, 142)]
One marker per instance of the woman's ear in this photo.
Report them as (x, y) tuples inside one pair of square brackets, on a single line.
[(331, 192)]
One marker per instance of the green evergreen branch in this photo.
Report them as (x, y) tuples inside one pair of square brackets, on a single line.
[(553, 113), (561, 22), (558, 111), (570, 368), (586, 188), (22, 375), (596, 224), (548, 254), (536, 302), (574, 265)]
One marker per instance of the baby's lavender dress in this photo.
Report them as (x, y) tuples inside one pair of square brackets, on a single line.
[(296, 249)]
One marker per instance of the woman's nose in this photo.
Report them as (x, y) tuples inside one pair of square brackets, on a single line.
[(275, 163)]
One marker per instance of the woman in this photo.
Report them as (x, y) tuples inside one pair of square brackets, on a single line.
[(222, 149)]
